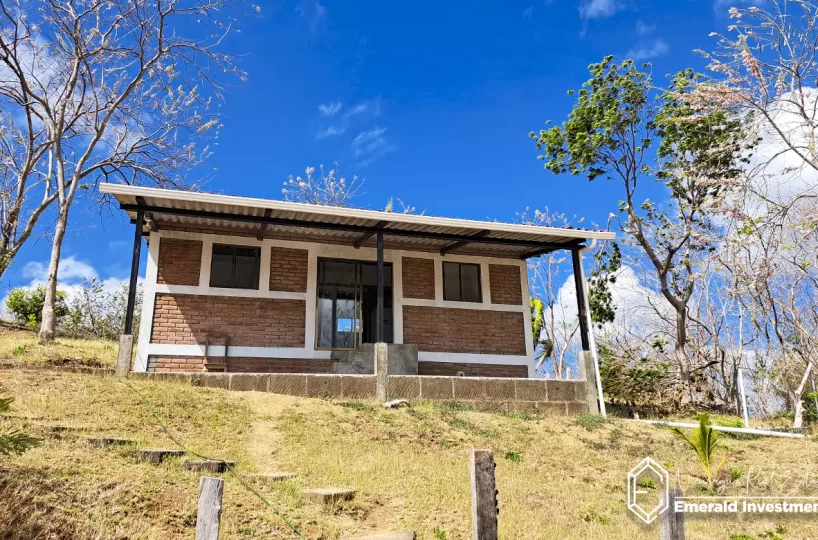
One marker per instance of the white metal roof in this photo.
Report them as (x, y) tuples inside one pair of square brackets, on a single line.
[(213, 210)]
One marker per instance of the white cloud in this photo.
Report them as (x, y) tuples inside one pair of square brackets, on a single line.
[(371, 107), (70, 270), (598, 9), (648, 50), (371, 145), (329, 109), (331, 131), (528, 12)]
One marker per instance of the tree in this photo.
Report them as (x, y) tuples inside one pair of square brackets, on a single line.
[(330, 189), (611, 133), (94, 310), (554, 319), (27, 305), (118, 90)]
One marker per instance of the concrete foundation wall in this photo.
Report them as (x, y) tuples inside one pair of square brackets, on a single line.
[(530, 395)]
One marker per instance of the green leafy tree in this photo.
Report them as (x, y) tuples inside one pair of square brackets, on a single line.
[(14, 441), (27, 305), (612, 133), (543, 347)]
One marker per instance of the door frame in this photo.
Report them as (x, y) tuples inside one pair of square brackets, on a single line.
[(358, 301)]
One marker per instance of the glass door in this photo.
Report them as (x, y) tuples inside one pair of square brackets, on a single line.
[(339, 303), (347, 304)]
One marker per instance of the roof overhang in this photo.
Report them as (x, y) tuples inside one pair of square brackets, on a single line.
[(171, 208)]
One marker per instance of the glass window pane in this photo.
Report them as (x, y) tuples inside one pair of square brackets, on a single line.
[(470, 282), (221, 269), (246, 270), (451, 281)]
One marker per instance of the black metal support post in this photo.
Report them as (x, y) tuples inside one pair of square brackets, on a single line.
[(583, 314), (137, 248), (379, 312)]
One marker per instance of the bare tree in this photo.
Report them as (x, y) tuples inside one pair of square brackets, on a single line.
[(121, 90), (557, 327), (330, 189)]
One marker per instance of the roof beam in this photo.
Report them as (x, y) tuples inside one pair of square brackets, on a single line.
[(288, 222), (545, 250), (367, 235), (263, 227), (148, 216), (460, 243)]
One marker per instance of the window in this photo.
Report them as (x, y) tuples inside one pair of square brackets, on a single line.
[(235, 267), (461, 282)]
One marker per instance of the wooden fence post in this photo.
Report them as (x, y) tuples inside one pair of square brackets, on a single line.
[(210, 508), (483, 495), (671, 523)]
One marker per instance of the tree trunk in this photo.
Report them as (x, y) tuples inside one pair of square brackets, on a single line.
[(48, 327), (798, 398)]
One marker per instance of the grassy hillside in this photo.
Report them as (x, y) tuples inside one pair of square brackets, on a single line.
[(558, 477)]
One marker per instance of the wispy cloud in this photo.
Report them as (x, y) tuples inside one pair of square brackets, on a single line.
[(331, 131), (643, 28), (370, 107), (329, 109), (528, 13), (314, 13), (598, 9), (648, 49), (371, 145)]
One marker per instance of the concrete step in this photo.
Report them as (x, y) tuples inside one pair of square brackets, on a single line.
[(210, 466), (101, 442), (389, 535), (158, 455), (269, 478), (329, 495)]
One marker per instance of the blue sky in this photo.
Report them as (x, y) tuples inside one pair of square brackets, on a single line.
[(430, 102)]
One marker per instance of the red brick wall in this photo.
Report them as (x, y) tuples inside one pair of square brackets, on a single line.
[(451, 369), (435, 329), (179, 261), (191, 364), (288, 269), (251, 322), (418, 278), (506, 287)]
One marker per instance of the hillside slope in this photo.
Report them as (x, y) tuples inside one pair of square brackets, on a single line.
[(558, 477)]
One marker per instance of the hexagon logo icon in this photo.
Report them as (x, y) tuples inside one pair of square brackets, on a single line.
[(643, 481)]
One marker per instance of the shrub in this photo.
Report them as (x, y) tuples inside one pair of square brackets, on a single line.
[(704, 440), (27, 305), (13, 441)]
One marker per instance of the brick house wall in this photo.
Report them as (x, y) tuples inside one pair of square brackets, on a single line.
[(505, 284), (418, 278), (451, 369), (288, 269), (184, 319), (435, 329), (179, 262)]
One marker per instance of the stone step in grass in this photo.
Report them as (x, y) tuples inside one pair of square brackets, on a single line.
[(158, 455), (329, 495), (208, 466), (102, 442), (270, 477), (389, 535)]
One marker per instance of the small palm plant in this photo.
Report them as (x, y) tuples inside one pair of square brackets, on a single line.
[(14, 441), (705, 441)]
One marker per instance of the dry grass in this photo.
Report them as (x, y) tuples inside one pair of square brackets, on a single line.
[(558, 477), (20, 346)]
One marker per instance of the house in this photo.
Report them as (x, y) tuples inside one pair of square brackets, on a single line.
[(253, 285)]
